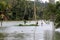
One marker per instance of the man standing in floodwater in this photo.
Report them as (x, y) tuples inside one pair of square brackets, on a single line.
[(37, 23), (41, 23), (2, 16)]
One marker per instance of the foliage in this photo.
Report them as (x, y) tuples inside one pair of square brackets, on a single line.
[(16, 11), (52, 12), (28, 25), (3, 6), (49, 12), (57, 15)]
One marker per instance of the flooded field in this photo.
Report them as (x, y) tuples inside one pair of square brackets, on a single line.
[(9, 31)]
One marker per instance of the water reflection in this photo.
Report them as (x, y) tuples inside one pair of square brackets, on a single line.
[(6, 34), (12, 36), (24, 33), (24, 36), (57, 36), (17, 35), (2, 36)]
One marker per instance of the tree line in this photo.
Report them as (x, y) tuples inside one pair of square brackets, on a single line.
[(19, 9)]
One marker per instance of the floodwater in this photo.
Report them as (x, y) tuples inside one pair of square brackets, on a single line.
[(10, 31), (57, 36)]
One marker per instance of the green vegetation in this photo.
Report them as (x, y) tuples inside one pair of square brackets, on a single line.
[(16, 11), (52, 12), (28, 25)]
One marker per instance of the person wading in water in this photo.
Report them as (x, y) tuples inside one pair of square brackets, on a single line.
[(2, 16)]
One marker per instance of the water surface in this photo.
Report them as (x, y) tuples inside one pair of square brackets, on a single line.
[(11, 32)]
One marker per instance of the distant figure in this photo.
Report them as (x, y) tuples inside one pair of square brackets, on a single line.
[(24, 21), (41, 23), (2, 16), (25, 18), (37, 23)]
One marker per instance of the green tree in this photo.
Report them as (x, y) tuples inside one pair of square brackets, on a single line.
[(50, 11), (57, 21), (3, 6)]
